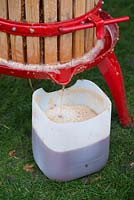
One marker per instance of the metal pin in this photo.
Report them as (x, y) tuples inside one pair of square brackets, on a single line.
[(32, 30), (14, 29), (82, 22)]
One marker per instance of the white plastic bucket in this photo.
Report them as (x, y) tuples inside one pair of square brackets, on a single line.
[(66, 151)]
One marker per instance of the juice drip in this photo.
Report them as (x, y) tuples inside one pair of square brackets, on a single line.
[(61, 103)]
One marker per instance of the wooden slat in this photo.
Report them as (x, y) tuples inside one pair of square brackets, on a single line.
[(50, 15), (95, 38), (33, 43), (78, 36), (3, 36), (14, 7), (65, 44), (89, 33), (96, 2)]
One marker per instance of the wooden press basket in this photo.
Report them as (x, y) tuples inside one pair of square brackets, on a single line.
[(45, 50)]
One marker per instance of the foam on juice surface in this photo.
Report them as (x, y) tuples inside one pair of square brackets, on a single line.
[(77, 113)]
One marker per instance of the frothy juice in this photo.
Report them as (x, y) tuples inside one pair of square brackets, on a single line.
[(77, 113)]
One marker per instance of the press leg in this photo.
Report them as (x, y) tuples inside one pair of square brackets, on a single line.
[(111, 71)]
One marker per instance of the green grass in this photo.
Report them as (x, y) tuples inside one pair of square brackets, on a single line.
[(114, 182)]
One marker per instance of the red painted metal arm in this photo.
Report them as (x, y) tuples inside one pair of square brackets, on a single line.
[(55, 29), (92, 24)]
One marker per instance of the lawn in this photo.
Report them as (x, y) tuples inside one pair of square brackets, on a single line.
[(114, 182)]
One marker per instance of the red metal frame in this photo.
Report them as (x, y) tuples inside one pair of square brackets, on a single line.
[(65, 75), (45, 30), (89, 20), (94, 21), (106, 60)]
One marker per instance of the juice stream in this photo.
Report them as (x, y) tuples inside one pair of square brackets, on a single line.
[(61, 103)]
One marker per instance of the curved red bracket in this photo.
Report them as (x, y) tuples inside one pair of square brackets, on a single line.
[(99, 24)]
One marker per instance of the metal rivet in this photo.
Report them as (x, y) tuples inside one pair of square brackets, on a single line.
[(31, 30), (117, 73), (82, 22), (14, 29)]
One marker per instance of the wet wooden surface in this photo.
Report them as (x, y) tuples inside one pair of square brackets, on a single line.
[(33, 43), (3, 36), (65, 41), (79, 36), (50, 43), (89, 33), (17, 51)]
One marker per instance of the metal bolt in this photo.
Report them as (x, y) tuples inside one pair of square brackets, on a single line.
[(32, 30), (82, 22), (14, 29)]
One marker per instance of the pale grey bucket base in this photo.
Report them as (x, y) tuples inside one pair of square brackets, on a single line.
[(70, 165)]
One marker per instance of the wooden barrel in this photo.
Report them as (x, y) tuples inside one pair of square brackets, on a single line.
[(47, 50)]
